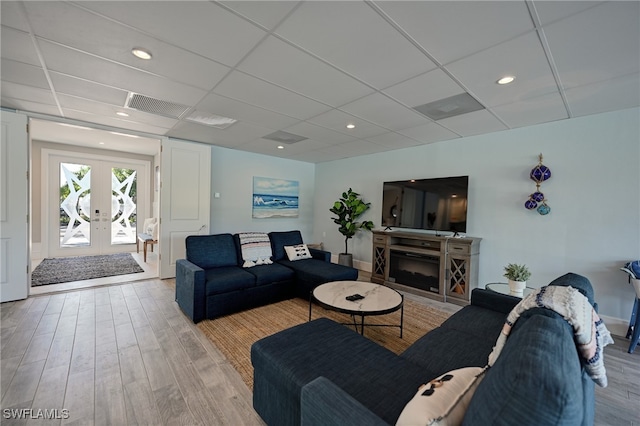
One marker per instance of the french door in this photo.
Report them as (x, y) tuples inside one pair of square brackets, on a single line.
[(95, 204)]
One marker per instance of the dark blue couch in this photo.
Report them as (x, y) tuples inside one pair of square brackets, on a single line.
[(211, 281), (322, 373)]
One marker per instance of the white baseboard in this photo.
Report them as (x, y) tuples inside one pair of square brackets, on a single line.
[(358, 264), (616, 326)]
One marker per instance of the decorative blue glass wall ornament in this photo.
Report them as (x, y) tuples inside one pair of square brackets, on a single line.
[(539, 174)]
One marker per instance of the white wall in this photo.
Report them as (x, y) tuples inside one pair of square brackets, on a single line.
[(594, 195), (232, 175)]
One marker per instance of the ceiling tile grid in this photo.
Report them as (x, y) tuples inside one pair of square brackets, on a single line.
[(312, 67)]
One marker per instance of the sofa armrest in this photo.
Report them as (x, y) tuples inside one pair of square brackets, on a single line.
[(190, 289), (322, 403), (320, 254), (493, 300)]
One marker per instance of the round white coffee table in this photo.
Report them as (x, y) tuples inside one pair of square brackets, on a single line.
[(377, 300)]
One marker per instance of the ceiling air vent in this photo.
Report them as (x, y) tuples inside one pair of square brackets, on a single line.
[(284, 137), (211, 120), (155, 106), (449, 107)]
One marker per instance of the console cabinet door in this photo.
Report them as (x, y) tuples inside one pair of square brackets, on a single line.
[(380, 261)]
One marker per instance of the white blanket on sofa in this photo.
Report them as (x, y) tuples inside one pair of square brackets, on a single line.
[(590, 333), (255, 248)]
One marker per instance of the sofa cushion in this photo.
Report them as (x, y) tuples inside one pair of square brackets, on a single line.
[(227, 278), (267, 274), (444, 400), (483, 323), (536, 380), (211, 251), (443, 350), (280, 239)]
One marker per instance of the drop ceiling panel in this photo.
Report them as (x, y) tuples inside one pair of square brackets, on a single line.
[(384, 112), (208, 32), (474, 123), (522, 57), (318, 156), (450, 30), (21, 73), (233, 136), (423, 89), (262, 94), (263, 146), (551, 11), (393, 140), (12, 16), (113, 122), (99, 108), (318, 133), (78, 64), (337, 120), (69, 85), (265, 13), (353, 37), (532, 111), (586, 46), (287, 66), (26, 105), (33, 94), (357, 148), (106, 39), (17, 45), (428, 133), (217, 104), (623, 92)]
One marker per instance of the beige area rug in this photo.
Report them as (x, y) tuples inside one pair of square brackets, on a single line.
[(234, 334)]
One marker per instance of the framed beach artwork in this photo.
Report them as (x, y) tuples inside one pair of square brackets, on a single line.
[(274, 198)]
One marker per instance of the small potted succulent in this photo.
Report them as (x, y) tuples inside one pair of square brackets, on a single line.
[(517, 276)]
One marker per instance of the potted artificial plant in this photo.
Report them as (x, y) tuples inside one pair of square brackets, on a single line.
[(348, 209), (517, 276)]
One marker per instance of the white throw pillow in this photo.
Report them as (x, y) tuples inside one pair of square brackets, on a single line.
[(442, 401), (297, 252)]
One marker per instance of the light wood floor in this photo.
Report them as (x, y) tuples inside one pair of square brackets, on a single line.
[(125, 354)]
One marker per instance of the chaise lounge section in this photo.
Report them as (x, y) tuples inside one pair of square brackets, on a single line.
[(212, 282), (322, 373)]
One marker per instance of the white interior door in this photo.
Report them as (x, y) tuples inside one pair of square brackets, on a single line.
[(185, 192), (14, 196), (94, 203)]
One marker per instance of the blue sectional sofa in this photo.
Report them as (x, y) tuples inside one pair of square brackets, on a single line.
[(211, 281), (323, 373)]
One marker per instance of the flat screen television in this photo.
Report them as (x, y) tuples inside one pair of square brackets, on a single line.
[(438, 204)]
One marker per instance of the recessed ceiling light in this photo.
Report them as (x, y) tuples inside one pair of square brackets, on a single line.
[(141, 53), (100, 143), (122, 114), (351, 126), (280, 147), (506, 79)]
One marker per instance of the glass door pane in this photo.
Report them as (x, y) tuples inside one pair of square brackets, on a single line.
[(123, 205), (75, 205)]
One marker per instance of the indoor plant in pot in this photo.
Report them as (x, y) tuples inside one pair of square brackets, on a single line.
[(348, 209), (517, 276)]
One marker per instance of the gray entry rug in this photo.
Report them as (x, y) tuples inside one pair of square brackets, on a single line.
[(66, 269)]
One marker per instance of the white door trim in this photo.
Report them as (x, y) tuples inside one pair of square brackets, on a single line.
[(14, 207)]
